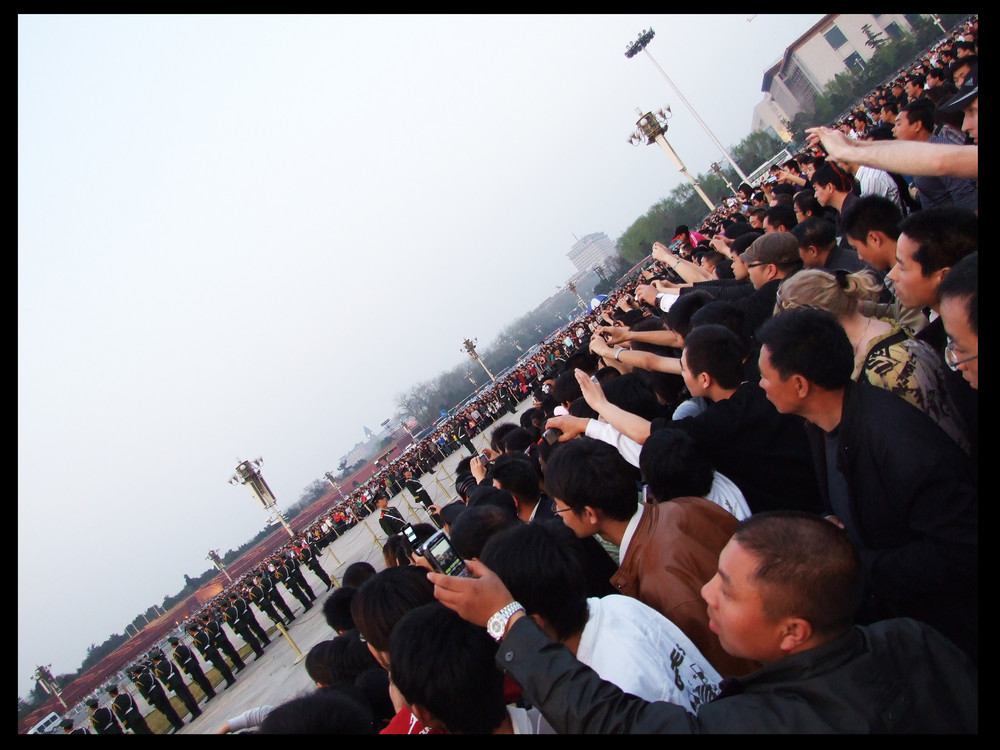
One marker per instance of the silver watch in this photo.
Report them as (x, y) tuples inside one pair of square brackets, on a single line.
[(497, 624)]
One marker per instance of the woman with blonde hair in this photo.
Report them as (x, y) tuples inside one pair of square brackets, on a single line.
[(884, 354)]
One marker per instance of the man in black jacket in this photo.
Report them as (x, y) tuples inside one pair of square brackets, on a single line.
[(202, 640), (785, 592), (127, 711), (154, 694), (170, 677), (898, 484), (188, 662), (389, 518), (102, 719)]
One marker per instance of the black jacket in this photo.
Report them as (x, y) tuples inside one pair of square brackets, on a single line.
[(894, 676), (914, 511)]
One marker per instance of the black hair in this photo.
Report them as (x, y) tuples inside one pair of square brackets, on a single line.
[(672, 466), (475, 526), (444, 664), (721, 312), (831, 174), (497, 435), (587, 472), (806, 567), (347, 657), (632, 394), (316, 663), (518, 439), (540, 565), (384, 599), (816, 232), (394, 551), (781, 215), (811, 343), (920, 111), (337, 607), (805, 201), (517, 475), (320, 712), (718, 351), (566, 389), (678, 317), (962, 282), (741, 243), (871, 213), (737, 228), (944, 235), (580, 407)]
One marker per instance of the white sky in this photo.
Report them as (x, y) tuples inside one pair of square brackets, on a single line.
[(243, 236)]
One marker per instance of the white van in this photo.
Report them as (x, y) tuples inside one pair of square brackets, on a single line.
[(46, 725)]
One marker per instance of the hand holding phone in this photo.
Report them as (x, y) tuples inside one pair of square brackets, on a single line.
[(442, 556)]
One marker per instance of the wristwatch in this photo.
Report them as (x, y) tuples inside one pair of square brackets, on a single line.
[(497, 625)]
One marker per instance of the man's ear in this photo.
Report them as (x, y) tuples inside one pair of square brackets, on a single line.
[(795, 632), (592, 515), (801, 385)]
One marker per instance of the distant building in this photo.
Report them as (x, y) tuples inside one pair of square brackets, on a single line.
[(592, 250), (834, 45), (365, 449)]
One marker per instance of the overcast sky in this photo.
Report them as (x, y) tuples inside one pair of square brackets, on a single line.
[(244, 236)]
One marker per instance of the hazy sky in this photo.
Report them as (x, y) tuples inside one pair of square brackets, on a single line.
[(244, 236)]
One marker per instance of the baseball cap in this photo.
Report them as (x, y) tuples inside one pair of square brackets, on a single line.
[(966, 94), (780, 248)]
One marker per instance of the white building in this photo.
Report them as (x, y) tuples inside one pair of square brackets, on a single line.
[(592, 250), (834, 45)]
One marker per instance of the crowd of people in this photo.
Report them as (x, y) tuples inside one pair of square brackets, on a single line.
[(744, 497)]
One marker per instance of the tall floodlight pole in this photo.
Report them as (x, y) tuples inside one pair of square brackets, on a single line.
[(571, 287), (716, 168), (248, 474), (336, 485), (48, 683), (639, 45), (469, 347), (650, 129), (213, 557)]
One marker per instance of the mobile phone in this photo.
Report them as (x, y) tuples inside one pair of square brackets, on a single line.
[(410, 534), (442, 556), (551, 435)]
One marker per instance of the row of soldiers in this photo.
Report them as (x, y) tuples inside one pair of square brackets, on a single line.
[(157, 674)]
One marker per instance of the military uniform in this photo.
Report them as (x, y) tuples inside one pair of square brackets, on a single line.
[(242, 628), (273, 595), (390, 520), (127, 711), (154, 695), (188, 662), (202, 640), (308, 556), (104, 722), (171, 678), (282, 574), (221, 641), (293, 564)]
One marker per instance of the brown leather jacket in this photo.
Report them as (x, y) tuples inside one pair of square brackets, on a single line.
[(672, 554)]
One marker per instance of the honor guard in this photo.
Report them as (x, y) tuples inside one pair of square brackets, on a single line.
[(154, 694), (172, 679), (102, 719), (127, 711), (283, 575), (295, 569), (188, 662), (308, 556), (221, 641), (202, 641), (389, 518), (273, 595), (241, 627)]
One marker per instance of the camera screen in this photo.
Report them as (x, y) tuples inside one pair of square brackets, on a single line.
[(450, 563)]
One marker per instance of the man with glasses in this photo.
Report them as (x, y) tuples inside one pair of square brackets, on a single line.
[(959, 308), (930, 243)]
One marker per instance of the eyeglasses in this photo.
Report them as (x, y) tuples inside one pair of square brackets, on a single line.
[(555, 508), (951, 357), (754, 265)]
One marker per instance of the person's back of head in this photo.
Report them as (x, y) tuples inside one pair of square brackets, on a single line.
[(805, 567), (715, 350), (317, 664), (337, 608), (809, 343), (346, 657), (516, 474), (518, 439), (836, 292), (443, 667), (962, 282), (498, 433), (678, 317), (394, 551), (566, 389), (589, 473), (474, 527), (385, 598), (540, 565), (724, 313), (584, 360), (320, 712), (633, 393), (672, 466), (816, 232), (944, 235)]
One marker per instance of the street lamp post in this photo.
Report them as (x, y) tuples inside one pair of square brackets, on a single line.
[(248, 474), (213, 557), (48, 683), (469, 347), (639, 45), (716, 168), (650, 129)]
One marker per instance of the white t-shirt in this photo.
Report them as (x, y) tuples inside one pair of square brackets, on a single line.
[(635, 647)]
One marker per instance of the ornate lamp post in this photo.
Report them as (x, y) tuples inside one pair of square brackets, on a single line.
[(248, 474), (213, 557), (48, 683), (650, 129), (639, 45), (716, 168), (469, 347)]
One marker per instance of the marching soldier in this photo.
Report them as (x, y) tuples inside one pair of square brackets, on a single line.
[(389, 518), (294, 568), (241, 627), (221, 641), (273, 595), (308, 556), (170, 677), (202, 640), (102, 719), (188, 662), (421, 496), (282, 575), (154, 694), (127, 711), (67, 727)]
